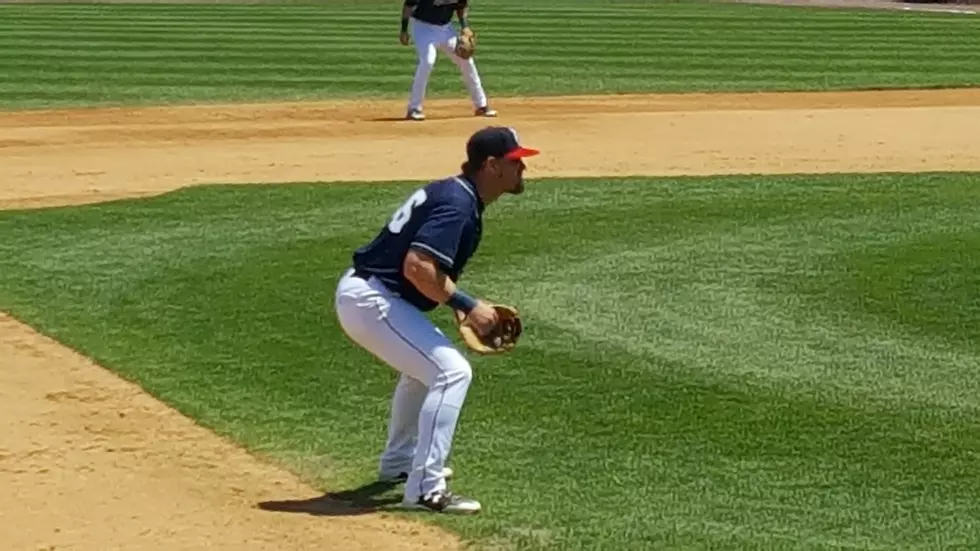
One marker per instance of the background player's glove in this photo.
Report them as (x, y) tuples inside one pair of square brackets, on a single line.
[(502, 338), (465, 43)]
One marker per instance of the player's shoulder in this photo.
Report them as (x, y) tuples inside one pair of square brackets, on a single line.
[(452, 191)]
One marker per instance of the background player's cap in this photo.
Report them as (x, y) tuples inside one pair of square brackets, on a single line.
[(495, 141)]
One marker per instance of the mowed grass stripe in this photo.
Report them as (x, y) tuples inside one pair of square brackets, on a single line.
[(696, 42), (683, 47), (271, 73), (496, 9), (234, 53), (523, 21), (617, 43), (611, 46), (328, 73), (715, 15), (738, 363), (310, 88), (338, 12), (304, 66), (68, 95), (641, 57), (612, 41), (326, 15), (269, 80), (42, 96), (343, 7), (874, 27)]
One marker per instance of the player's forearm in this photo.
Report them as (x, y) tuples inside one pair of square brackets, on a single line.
[(461, 13), (424, 273), (406, 13)]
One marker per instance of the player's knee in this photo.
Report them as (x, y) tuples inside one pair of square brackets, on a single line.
[(454, 368), (427, 58), (463, 372)]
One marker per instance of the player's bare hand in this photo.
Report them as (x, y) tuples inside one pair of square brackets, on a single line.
[(403, 38), (483, 318)]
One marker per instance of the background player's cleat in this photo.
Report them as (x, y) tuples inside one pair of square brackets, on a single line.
[(415, 115), (485, 112), (447, 473), (444, 501)]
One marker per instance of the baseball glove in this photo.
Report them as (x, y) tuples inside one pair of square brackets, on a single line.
[(465, 44), (502, 338)]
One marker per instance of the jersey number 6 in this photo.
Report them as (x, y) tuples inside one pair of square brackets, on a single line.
[(404, 213)]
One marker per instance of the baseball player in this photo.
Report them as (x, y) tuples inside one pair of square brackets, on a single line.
[(432, 28), (409, 268)]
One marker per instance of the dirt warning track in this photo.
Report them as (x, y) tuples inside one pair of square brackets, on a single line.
[(92, 463)]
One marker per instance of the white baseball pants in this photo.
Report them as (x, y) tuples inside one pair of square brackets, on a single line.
[(429, 39), (435, 378)]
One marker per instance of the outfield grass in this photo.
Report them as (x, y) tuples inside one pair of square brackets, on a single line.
[(53, 55), (738, 363)]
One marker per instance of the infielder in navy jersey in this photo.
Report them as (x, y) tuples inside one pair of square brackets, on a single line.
[(411, 267), (431, 24)]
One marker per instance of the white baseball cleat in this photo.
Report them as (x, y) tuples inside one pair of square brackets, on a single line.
[(415, 115), (485, 112), (447, 473), (446, 502)]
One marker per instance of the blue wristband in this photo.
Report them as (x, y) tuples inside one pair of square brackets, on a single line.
[(461, 301)]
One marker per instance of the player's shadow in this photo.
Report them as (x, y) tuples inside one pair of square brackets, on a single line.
[(430, 118), (358, 501), (393, 119)]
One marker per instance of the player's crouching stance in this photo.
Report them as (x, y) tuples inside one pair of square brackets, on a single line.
[(411, 267)]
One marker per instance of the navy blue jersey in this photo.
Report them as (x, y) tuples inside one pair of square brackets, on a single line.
[(442, 219), (437, 12)]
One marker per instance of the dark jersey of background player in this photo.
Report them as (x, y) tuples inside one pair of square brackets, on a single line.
[(444, 223), (436, 12)]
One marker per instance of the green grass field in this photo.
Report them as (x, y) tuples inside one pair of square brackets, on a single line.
[(710, 363), (739, 363), (67, 54)]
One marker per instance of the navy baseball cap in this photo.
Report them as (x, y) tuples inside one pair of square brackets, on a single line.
[(495, 141)]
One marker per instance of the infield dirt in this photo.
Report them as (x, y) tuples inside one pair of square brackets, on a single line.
[(92, 463)]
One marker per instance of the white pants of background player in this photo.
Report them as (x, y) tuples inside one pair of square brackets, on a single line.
[(433, 384), (429, 39)]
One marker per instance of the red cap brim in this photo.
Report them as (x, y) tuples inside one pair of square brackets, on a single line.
[(522, 152)]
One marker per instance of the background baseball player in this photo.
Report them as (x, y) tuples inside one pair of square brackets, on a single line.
[(409, 268), (431, 25)]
